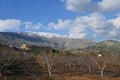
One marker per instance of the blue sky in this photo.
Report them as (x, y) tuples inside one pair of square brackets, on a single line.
[(92, 19), (43, 11)]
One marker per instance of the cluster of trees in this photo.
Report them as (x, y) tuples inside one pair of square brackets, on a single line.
[(14, 62), (50, 61), (81, 63)]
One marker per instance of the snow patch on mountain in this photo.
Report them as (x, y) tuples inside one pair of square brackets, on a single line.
[(44, 34)]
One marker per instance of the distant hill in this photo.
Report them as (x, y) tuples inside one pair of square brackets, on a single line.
[(108, 47), (58, 42), (17, 39)]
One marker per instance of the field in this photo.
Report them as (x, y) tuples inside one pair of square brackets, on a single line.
[(90, 77), (51, 64)]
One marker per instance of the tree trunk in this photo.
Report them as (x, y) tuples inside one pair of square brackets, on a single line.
[(102, 70), (89, 70), (74, 67), (80, 68), (102, 73), (0, 73), (69, 66), (49, 72)]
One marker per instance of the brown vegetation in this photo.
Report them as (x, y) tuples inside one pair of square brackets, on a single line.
[(51, 65)]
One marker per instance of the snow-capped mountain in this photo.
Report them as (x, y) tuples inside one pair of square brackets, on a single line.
[(43, 39)]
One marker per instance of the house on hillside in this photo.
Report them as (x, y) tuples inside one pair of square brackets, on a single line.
[(25, 47), (99, 55)]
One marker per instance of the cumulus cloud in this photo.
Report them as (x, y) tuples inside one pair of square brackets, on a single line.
[(9, 24), (78, 35), (96, 22), (99, 24), (62, 24), (77, 32), (116, 31), (109, 5), (90, 5), (81, 5), (18, 25), (114, 34), (93, 25), (31, 26), (116, 22)]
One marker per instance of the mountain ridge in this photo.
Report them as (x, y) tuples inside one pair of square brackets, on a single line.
[(63, 43), (107, 46), (19, 38)]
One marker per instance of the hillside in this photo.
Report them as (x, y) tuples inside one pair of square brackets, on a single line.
[(108, 46), (17, 39), (64, 43)]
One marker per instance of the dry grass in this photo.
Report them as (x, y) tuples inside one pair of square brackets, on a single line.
[(89, 77), (64, 76)]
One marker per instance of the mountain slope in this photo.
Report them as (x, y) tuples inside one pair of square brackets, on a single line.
[(108, 46), (17, 39), (78, 43)]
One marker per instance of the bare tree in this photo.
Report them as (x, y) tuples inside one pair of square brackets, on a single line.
[(9, 59), (88, 62), (101, 63), (46, 61)]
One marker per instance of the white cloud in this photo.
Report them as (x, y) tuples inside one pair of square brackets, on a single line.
[(93, 25), (113, 33), (109, 5), (78, 35), (31, 26), (81, 5), (18, 25), (90, 5), (96, 22), (9, 24), (116, 22), (77, 32), (99, 25), (116, 28), (62, 24), (76, 28)]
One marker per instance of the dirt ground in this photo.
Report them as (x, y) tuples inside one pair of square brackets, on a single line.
[(88, 77)]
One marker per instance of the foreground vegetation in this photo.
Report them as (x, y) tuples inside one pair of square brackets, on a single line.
[(50, 64)]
